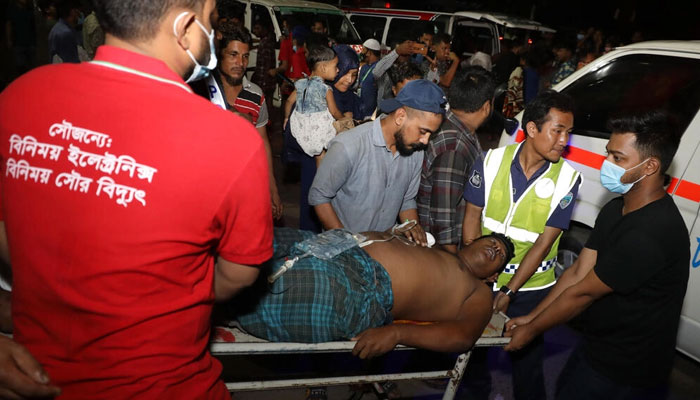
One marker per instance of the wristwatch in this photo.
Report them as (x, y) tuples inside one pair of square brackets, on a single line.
[(505, 289)]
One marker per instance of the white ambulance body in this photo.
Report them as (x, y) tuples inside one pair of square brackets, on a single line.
[(663, 74), (303, 12), (483, 29)]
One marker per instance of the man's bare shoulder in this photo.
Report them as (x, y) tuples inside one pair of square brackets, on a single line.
[(481, 292)]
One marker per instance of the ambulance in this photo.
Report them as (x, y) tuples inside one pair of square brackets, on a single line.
[(484, 29), (659, 74), (302, 12)]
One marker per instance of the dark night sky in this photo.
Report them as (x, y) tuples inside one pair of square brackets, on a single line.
[(657, 19)]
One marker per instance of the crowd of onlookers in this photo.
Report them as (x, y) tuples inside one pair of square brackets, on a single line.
[(54, 31)]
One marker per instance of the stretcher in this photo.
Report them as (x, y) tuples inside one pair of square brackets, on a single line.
[(229, 341)]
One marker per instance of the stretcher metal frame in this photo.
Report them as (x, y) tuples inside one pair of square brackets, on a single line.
[(246, 344)]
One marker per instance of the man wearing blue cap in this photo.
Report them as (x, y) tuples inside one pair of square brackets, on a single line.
[(370, 174)]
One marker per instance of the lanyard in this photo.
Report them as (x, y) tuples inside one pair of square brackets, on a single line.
[(369, 70), (140, 73)]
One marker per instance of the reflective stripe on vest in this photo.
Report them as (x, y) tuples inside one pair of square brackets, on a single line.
[(524, 220), (544, 266)]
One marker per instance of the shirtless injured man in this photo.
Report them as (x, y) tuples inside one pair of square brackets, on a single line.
[(358, 293)]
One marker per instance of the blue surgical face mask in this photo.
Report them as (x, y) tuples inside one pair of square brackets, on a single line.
[(200, 71), (610, 175)]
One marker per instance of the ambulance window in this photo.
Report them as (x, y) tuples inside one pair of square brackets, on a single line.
[(469, 37), (260, 12), (636, 83), (441, 23), (400, 29), (339, 27), (369, 27)]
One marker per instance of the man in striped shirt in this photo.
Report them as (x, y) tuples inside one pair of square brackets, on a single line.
[(228, 88)]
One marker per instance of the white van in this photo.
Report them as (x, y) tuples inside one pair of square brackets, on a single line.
[(303, 12), (485, 30), (663, 74)]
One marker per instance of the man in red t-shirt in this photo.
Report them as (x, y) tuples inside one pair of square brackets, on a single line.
[(293, 57), (129, 208)]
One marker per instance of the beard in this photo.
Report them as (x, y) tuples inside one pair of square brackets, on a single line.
[(405, 149), (233, 81)]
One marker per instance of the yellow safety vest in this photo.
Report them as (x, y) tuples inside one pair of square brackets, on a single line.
[(524, 220)]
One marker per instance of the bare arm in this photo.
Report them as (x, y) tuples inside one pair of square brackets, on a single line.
[(4, 248), (416, 234), (528, 266), (446, 79), (471, 226), (6, 274), (280, 70), (451, 336), (274, 194), (230, 278), (573, 275), (332, 107), (288, 105), (570, 303), (329, 219)]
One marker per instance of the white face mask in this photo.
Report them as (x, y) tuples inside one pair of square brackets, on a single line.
[(200, 71)]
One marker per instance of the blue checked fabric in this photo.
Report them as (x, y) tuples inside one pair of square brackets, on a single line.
[(320, 301)]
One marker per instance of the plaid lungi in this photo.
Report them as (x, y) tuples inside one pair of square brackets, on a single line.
[(320, 300)]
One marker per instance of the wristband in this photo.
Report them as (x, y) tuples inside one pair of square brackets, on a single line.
[(508, 292)]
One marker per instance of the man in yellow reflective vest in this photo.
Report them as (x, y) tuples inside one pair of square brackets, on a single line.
[(526, 191)]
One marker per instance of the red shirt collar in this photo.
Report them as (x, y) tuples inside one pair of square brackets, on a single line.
[(136, 61)]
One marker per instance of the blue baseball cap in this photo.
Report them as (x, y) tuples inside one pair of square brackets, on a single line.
[(420, 94)]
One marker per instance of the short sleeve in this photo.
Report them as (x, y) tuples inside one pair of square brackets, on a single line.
[(474, 189), (245, 214), (594, 238), (263, 116), (561, 217), (285, 50), (331, 175), (609, 214), (635, 259)]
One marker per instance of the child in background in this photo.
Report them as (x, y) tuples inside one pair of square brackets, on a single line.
[(311, 123)]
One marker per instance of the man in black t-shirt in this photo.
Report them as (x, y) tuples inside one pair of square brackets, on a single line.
[(630, 279)]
